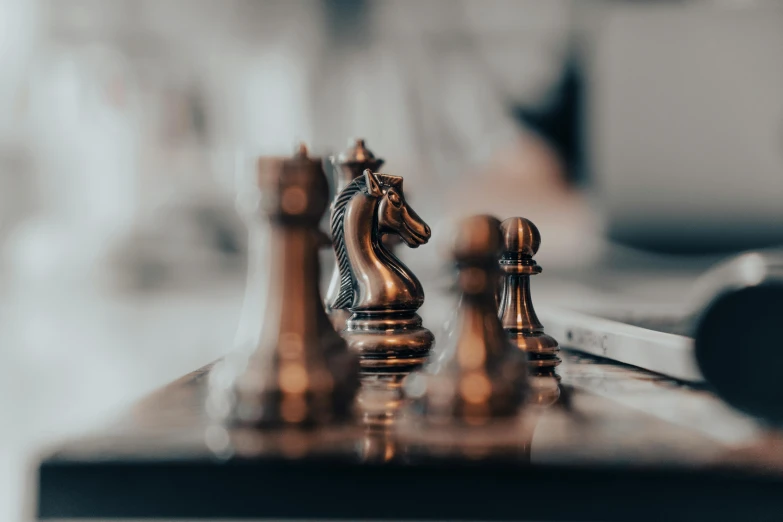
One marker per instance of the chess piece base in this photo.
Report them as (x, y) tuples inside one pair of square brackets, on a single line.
[(388, 342), (541, 349)]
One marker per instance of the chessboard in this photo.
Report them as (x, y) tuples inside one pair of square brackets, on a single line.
[(618, 443), (345, 408)]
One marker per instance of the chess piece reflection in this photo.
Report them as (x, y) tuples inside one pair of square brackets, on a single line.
[(348, 165), (379, 445), (301, 372), (380, 400), (479, 376), (521, 240), (381, 293)]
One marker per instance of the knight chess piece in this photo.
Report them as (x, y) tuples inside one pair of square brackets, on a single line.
[(479, 375), (521, 240), (381, 293), (348, 165), (301, 372)]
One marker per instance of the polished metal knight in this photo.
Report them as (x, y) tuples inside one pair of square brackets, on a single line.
[(381, 293)]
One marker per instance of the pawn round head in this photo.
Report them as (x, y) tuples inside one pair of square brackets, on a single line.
[(477, 239), (520, 236)]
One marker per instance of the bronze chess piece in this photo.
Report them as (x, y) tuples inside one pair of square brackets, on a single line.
[(301, 372), (381, 293), (349, 165), (521, 240), (479, 376)]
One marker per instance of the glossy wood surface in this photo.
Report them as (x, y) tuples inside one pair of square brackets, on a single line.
[(618, 443)]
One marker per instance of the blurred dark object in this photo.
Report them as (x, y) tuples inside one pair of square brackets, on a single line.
[(557, 119), (346, 21), (301, 372), (739, 335)]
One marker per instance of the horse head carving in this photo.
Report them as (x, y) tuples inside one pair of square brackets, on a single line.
[(372, 279)]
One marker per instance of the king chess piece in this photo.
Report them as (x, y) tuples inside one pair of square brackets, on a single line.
[(348, 166), (479, 376), (381, 293), (301, 372), (521, 240)]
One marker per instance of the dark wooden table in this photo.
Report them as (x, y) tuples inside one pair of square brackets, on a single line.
[(618, 444)]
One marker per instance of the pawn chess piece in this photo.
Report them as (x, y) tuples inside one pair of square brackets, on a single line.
[(348, 165), (301, 372), (521, 240), (479, 376), (381, 293)]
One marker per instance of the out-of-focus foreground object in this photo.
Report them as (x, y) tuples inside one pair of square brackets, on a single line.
[(301, 372), (738, 333), (479, 375)]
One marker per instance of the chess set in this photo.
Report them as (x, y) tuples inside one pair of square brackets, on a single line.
[(348, 409)]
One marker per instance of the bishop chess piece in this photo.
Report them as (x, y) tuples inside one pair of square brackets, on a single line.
[(380, 292), (479, 376), (301, 372), (348, 165), (521, 240)]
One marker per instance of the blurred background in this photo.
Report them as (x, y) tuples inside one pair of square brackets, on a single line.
[(639, 136)]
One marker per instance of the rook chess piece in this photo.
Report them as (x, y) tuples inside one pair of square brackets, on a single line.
[(381, 293), (479, 375), (521, 240), (301, 372), (349, 165)]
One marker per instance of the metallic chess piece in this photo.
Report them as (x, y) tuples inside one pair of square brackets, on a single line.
[(381, 293), (301, 372), (521, 240), (479, 376), (349, 165)]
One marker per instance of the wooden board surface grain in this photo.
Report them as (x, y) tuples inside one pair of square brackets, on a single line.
[(619, 443)]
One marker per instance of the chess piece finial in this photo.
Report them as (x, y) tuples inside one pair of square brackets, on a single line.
[(356, 154), (479, 375), (348, 165), (381, 293), (301, 372), (521, 240)]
